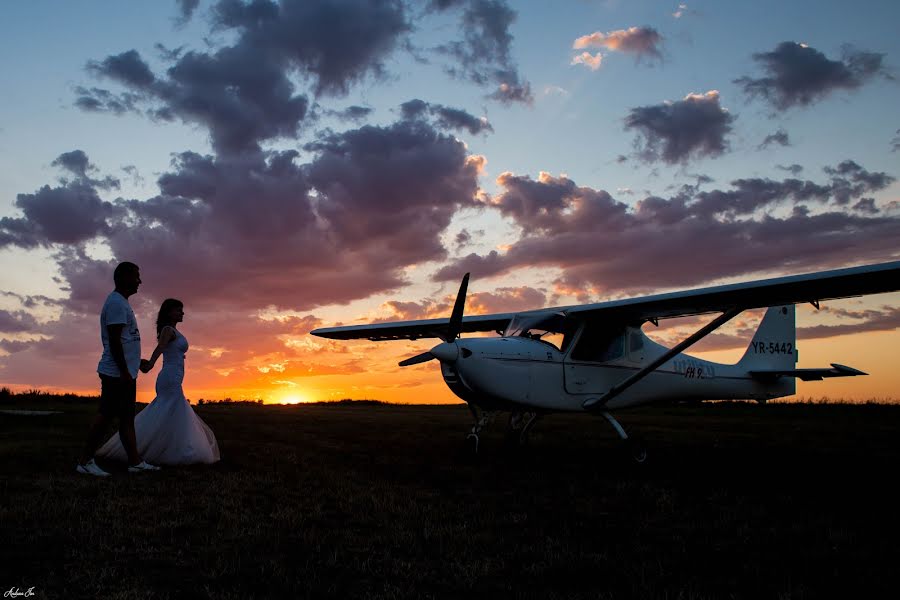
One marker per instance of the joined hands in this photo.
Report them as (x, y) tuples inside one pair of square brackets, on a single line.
[(146, 365)]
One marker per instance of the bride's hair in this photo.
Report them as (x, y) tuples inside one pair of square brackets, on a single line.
[(162, 319)]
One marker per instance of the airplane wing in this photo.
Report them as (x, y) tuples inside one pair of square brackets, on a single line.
[(763, 293), (793, 289), (414, 330)]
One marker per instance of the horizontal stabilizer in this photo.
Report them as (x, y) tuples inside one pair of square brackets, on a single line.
[(836, 370)]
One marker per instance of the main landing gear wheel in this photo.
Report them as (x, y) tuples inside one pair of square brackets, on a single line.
[(634, 447), (636, 450)]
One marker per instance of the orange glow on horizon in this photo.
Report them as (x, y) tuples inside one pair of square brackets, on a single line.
[(292, 398), (298, 368)]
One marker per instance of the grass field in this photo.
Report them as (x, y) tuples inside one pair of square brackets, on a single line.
[(376, 501)]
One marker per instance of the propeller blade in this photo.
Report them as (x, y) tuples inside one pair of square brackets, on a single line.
[(455, 327), (418, 358)]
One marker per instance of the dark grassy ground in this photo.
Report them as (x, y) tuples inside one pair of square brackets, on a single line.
[(738, 501)]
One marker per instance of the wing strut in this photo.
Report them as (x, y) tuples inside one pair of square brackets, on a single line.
[(600, 402)]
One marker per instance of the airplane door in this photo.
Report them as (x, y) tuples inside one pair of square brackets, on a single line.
[(595, 363)]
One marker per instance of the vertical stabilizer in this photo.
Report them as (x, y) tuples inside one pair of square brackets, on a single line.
[(774, 347)]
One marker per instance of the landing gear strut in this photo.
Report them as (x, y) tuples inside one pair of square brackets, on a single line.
[(481, 421), (520, 424), (635, 448)]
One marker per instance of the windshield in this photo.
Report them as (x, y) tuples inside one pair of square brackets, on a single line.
[(551, 328)]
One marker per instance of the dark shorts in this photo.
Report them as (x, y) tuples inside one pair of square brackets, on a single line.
[(117, 397)]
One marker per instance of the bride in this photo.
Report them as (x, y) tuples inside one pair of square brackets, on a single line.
[(168, 430)]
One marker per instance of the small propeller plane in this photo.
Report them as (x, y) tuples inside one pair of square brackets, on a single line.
[(595, 358)]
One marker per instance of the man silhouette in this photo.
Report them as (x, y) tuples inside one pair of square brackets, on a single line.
[(118, 370)]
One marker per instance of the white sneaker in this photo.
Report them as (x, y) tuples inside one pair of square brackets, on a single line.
[(91, 468), (142, 466)]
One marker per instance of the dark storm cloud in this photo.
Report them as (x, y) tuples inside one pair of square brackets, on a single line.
[(512, 91), (244, 93), (14, 346), (483, 56), (334, 43), (849, 181), (884, 319), (127, 68), (485, 266), (351, 113), (77, 163), (241, 94), (797, 75), (16, 321), (420, 178), (793, 169), (32, 301), (859, 175), (445, 117), (134, 174), (675, 132), (780, 137), (101, 100), (739, 334), (168, 54), (67, 214), (236, 228), (466, 237), (600, 244), (186, 10), (867, 205)]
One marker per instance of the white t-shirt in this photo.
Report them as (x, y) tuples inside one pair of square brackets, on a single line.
[(117, 311)]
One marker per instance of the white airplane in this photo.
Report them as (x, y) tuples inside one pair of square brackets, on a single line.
[(595, 358)]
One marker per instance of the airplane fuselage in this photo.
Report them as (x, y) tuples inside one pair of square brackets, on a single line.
[(515, 373)]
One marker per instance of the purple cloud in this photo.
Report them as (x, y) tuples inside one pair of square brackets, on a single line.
[(186, 9), (780, 137), (798, 75), (676, 132), (600, 244), (244, 93), (16, 321), (445, 117), (234, 228), (483, 55)]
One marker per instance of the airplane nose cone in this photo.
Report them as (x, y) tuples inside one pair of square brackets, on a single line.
[(446, 352)]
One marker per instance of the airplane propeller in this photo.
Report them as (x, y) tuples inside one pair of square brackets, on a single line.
[(446, 351)]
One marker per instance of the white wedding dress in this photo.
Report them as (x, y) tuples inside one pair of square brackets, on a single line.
[(168, 430)]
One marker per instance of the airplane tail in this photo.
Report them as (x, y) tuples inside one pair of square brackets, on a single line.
[(774, 347), (772, 355)]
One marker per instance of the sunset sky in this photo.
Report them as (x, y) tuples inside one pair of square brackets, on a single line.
[(282, 166)]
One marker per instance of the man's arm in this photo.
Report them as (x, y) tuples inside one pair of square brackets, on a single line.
[(114, 332)]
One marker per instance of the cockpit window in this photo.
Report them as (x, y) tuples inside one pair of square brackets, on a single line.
[(551, 328), (600, 343)]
